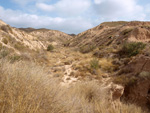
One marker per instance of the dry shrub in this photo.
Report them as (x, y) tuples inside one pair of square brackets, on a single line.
[(87, 48), (19, 46), (26, 88), (5, 41), (106, 64), (94, 63)]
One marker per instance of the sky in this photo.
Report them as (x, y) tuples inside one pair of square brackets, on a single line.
[(71, 16)]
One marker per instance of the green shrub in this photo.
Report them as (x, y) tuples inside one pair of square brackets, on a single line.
[(131, 49), (50, 47), (86, 48), (94, 63)]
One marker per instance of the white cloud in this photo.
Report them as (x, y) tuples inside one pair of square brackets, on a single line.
[(67, 7), (119, 9), (45, 7), (25, 2), (68, 25), (73, 16)]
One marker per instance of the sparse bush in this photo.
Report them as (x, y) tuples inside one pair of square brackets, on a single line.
[(50, 47), (19, 46), (4, 53), (86, 48), (94, 63), (125, 80), (131, 49), (5, 41), (14, 58), (106, 65)]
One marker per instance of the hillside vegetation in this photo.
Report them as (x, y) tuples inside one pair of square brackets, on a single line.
[(27, 88), (105, 69)]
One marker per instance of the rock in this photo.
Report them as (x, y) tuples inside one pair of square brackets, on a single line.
[(117, 92)]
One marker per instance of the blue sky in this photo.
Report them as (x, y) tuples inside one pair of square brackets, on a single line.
[(71, 16)]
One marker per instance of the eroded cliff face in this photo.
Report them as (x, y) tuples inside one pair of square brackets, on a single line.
[(137, 90)]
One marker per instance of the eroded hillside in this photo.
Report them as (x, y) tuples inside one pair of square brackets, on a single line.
[(104, 67), (125, 45), (51, 36)]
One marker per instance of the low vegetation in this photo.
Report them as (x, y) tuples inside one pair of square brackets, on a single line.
[(4, 40), (129, 80), (106, 65), (125, 80), (86, 48), (19, 46), (4, 53), (50, 47), (130, 49), (94, 63), (27, 88), (14, 58)]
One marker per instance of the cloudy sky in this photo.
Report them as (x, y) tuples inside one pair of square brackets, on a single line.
[(71, 16)]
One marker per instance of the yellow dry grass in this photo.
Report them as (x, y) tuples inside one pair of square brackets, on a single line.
[(27, 88), (106, 64)]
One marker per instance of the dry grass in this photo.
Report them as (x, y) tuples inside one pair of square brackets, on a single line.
[(106, 64), (26, 88)]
